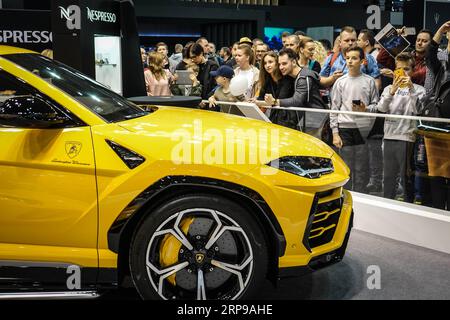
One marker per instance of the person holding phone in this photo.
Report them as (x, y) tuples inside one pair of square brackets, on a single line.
[(420, 71), (335, 65), (403, 98), (192, 89), (354, 91)]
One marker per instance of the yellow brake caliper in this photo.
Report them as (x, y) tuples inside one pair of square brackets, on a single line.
[(170, 247)]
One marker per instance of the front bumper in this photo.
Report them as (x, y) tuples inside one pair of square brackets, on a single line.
[(329, 253)]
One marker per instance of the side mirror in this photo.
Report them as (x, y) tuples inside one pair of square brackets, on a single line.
[(30, 112)]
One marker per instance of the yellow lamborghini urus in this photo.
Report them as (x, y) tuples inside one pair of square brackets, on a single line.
[(96, 193)]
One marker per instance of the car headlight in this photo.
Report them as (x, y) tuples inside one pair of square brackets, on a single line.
[(307, 167)]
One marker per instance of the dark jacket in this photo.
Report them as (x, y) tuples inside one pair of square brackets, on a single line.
[(306, 94), (420, 69), (282, 89), (231, 62), (206, 80), (436, 66)]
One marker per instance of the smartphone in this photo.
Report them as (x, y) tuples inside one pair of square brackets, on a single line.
[(400, 72), (410, 31), (183, 77), (357, 102)]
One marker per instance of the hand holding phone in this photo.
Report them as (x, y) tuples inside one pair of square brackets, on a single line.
[(400, 73), (410, 31), (358, 106)]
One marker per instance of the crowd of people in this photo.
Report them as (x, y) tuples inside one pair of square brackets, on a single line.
[(355, 74)]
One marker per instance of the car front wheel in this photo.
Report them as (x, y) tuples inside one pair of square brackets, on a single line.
[(198, 247)]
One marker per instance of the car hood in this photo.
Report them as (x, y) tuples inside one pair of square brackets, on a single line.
[(213, 132)]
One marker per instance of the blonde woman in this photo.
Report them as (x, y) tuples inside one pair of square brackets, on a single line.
[(47, 53), (157, 79), (320, 54), (306, 51), (245, 59)]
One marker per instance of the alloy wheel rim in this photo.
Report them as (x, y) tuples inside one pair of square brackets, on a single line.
[(214, 260)]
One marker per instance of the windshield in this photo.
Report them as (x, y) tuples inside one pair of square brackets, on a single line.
[(96, 97)]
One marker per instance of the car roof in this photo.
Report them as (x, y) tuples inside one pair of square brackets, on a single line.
[(12, 50)]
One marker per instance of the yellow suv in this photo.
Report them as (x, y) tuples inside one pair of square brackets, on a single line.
[(96, 192)]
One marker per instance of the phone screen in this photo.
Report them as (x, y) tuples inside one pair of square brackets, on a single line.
[(399, 72)]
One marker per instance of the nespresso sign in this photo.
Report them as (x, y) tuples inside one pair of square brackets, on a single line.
[(103, 16), (25, 36), (28, 29), (73, 18)]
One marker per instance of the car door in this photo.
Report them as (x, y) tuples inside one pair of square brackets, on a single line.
[(48, 199)]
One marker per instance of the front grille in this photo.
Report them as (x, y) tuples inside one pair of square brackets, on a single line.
[(323, 219)]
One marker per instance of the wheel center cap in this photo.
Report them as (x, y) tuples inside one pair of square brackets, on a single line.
[(199, 258)]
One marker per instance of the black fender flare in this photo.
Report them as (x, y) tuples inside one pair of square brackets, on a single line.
[(121, 231)]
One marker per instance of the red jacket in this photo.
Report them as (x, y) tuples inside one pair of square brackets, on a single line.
[(420, 69)]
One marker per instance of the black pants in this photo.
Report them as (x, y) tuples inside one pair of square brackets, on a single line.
[(355, 153), (397, 159), (375, 161)]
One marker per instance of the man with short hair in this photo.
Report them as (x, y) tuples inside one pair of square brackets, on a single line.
[(163, 49), (335, 65), (211, 48), (225, 54), (284, 36), (260, 50), (257, 41), (366, 41), (292, 42), (212, 53), (232, 62), (197, 55), (204, 43), (306, 93), (176, 57), (423, 41)]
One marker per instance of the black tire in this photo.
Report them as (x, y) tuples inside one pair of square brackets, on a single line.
[(238, 246)]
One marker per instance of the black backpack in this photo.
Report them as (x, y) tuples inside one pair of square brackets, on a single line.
[(437, 104)]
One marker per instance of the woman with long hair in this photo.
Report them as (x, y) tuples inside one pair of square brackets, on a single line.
[(157, 79), (306, 51), (271, 81), (321, 53), (245, 59)]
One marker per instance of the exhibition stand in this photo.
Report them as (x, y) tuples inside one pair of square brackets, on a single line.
[(98, 38), (417, 225)]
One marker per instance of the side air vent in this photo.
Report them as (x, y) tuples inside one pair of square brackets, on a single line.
[(130, 158), (323, 219)]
